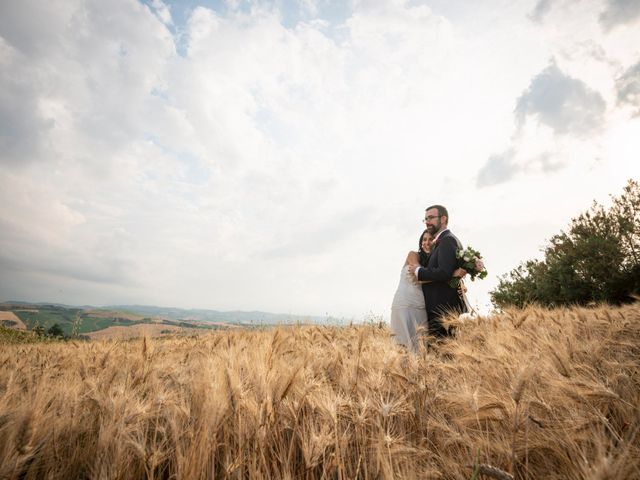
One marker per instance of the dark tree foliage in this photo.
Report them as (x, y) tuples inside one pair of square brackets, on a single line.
[(596, 260), (55, 331)]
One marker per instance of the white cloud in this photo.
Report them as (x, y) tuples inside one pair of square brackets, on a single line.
[(628, 87), (566, 105), (612, 13), (541, 8), (37, 29), (162, 11), (564, 112), (284, 165), (619, 12), (498, 169)]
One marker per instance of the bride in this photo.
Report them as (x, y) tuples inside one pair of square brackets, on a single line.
[(408, 312)]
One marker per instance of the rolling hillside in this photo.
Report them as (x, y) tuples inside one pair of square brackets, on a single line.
[(87, 320)]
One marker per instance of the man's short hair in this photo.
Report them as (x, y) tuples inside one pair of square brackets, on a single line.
[(442, 211)]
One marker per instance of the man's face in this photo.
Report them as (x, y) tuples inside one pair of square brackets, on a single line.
[(433, 221)]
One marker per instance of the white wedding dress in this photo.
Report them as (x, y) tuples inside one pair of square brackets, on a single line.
[(408, 312)]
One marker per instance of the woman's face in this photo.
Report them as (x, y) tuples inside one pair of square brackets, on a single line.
[(425, 244)]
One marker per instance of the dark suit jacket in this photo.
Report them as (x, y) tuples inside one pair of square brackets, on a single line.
[(439, 297)]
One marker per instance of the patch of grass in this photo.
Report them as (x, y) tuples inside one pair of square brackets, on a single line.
[(48, 315), (89, 324), (12, 335), (183, 324)]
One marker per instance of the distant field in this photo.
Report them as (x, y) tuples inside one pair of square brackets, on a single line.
[(98, 323), (47, 316), (97, 313), (145, 329), (9, 319), (529, 394), (88, 324)]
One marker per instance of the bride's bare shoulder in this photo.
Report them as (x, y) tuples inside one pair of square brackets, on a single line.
[(412, 257)]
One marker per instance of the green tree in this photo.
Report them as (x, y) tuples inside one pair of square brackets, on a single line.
[(55, 331), (596, 260)]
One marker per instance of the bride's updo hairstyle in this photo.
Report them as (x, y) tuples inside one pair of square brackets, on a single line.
[(424, 256)]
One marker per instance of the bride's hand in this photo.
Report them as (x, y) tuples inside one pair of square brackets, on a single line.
[(411, 271)]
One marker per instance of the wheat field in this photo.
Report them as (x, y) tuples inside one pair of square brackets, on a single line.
[(527, 394)]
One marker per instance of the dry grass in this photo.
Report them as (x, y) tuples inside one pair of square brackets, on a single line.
[(529, 394)]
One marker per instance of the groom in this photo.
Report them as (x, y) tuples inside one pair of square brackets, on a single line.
[(440, 298)]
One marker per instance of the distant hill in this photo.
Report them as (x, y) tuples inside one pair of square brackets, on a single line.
[(236, 316), (87, 319)]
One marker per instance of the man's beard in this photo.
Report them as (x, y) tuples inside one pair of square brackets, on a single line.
[(432, 229)]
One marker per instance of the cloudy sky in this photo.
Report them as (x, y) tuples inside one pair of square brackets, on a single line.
[(278, 155)]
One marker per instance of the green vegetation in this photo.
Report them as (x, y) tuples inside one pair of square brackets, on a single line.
[(91, 324), (596, 261), (66, 322), (70, 320), (12, 335), (48, 315), (76, 322), (186, 324), (55, 331)]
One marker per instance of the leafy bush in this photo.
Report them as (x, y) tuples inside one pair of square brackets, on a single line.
[(596, 260), (55, 331), (13, 335)]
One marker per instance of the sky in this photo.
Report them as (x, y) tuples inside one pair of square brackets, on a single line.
[(279, 155)]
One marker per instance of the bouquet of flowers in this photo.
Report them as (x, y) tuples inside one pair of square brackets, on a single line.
[(471, 261)]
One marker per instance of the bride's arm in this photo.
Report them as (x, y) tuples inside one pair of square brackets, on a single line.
[(413, 259)]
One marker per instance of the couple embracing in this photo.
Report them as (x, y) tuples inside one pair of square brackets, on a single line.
[(424, 295)]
